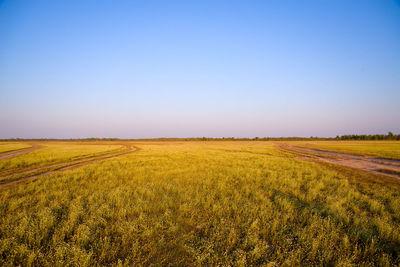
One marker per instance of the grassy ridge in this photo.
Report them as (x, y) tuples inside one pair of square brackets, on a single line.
[(202, 204)]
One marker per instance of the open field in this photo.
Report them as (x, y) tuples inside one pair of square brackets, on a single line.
[(369, 158), (383, 149), (197, 203), (5, 147), (54, 152)]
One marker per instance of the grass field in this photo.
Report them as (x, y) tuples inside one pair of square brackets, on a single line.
[(53, 153), (383, 149), (8, 146), (201, 203)]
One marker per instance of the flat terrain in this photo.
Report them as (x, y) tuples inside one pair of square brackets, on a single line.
[(14, 150), (390, 167), (6, 147), (380, 149), (200, 203)]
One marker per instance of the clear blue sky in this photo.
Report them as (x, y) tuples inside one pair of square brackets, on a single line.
[(134, 69)]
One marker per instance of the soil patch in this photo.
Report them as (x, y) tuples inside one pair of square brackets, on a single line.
[(68, 165), (383, 166), (19, 152)]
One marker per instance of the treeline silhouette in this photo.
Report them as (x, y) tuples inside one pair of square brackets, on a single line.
[(177, 139), (389, 136)]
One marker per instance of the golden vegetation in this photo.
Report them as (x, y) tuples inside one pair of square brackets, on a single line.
[(383, 149), (202, 203), (54, 152), (8, 146)]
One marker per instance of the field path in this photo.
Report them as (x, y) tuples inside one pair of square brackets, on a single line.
[(63, 166), (19, 152), (389, 167)]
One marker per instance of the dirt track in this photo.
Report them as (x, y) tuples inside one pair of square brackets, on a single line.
[(382, 166), (32, 174), (19, 152)]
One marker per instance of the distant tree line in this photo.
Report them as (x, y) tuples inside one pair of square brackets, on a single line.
[(176, 139), (389, 136)]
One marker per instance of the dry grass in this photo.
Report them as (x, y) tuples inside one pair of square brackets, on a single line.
[(383, 149), (54, 152), (211, 203), (9, 146)]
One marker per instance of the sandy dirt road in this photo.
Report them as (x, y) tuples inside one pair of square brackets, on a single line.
[(53, 168), (382, 166), (19, 152)]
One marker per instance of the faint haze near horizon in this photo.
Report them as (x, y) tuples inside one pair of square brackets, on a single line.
[(144, 69)]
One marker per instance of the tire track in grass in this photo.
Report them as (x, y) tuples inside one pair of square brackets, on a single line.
[(31, 169), (19, 152), (67, 166), (388, 167)]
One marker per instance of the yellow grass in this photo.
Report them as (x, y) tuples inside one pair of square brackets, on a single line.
[(383, 149), (202, 203), (6, 147), (54, 152)]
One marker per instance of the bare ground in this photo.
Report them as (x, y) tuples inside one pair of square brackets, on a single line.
[(19, 152), (389, 167), (44, 170)]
